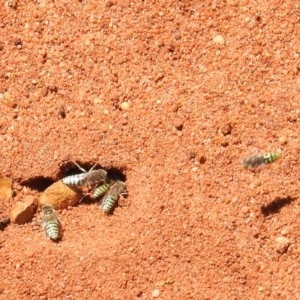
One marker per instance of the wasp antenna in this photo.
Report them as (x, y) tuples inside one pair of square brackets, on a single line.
[(79, 167), (91, 169)]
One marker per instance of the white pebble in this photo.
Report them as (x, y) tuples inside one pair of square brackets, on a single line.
[(282, 244), (156, 293), (218, 39), (282, 140), (97, 101), (285, 231), (124, 105)]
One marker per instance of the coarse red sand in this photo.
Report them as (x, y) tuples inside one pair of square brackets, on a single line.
[(204, 84)]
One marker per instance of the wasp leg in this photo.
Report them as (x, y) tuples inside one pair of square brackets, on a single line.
[(85, 195)]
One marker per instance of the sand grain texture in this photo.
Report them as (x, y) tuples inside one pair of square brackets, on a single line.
[(195, 223)]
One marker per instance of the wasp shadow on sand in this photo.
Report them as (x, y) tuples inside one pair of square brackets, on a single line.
[(276, 205)]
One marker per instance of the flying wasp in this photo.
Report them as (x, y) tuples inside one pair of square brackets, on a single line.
[(259, 160), (51, 223), (88, 179), (101, 190), (110, 200)]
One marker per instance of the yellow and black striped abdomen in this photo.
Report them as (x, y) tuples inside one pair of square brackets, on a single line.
[(50, 223), (110, 200), (108, 203), (271, 157), (101, 190), (52, 229)]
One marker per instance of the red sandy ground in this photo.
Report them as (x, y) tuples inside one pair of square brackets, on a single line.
[(195, 224)]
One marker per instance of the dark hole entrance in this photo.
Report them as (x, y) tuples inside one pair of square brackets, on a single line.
[(116, 174), (38, 183)]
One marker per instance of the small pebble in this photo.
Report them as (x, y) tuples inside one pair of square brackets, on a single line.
[(60, 195), (178, 124), (12, 4), (62, 111), (218, 39), (30, 200), (255, 232), (156, 293), (226, 129), (7, 96), (5, 187), (245, 209), (97, 101), (124, 106), (282, 244), (21, 213), (234, 199), (282, 140), (285, 231)]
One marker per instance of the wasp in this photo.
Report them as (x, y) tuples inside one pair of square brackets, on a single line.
[(259, 160), (88, 179), (101, 190), (51, 223), (111, 198)]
